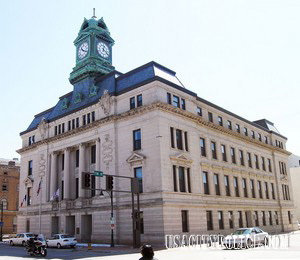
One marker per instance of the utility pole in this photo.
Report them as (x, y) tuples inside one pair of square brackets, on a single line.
[(112, 243), (1, 234)]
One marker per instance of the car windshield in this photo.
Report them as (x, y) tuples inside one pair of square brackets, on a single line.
[(242, 232), (30, 235), (66, 236)]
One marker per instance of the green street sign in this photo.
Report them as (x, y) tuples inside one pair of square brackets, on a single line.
[(98, 173)]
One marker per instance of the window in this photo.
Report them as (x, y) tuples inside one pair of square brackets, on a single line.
[(269, 165), (202, 147), (259, 136), (77, 122), (213, 150), (205, 183), (172, 137), (93, 116), (29, 194), (189, 179), (181, 179), (183, 104), (230, 218), (256, 161), (59, 129), (264, 218), (270, 218), (245, 131), (4, 187), (244, 182), (237, 126), (290, 217), (176, 101), (30, 168), (169, 98), (84, 119), (199, 111), (174, 178), (266, 190), (93, 154), (256, 218), (62, 162), (138, 173), (184, 218), (179, 139), (221, 221), (276, 218), (232, 153), (252, 188), (89, 118), (139, 100), (242, 157), (282, 168), (132, 102), (259, 189), (229, 125), (273, 191), (223, 150), (55, 130), (266, 139), (226, 183), (217, 185), (263, 165), (5, 173), (77, 189), (209, 220), (210, 117), (69, 125), (77, 159), (253, 134), (73, 123), (249, 160), (63, 127), (62, 190), (220, 121), (236, 186), (137, 145), (4, 204), (240, 219)]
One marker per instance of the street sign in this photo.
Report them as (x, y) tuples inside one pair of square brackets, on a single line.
[(1, 224), (98, 173), (112, 226)]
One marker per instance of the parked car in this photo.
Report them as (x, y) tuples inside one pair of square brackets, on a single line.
[(298, 223), (61, 240), (246, 237), (20, 239)]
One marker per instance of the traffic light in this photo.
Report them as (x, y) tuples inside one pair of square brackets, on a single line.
[(86, 180), (109, 182)]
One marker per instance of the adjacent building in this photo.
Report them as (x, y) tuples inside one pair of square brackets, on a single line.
[(9, 194), (201, 168), (294, 165)]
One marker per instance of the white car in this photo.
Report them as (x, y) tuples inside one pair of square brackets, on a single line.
[(246, 237), (61, 240), (20, 239)]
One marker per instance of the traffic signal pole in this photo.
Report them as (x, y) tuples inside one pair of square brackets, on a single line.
[(112, 243), (1, 234)]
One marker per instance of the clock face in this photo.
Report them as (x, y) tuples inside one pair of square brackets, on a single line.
[(83, 50), (103, 49)]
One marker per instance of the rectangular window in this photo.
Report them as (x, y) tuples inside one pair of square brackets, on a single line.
[(63, 127), (59, 129), (226, 183), (132, 102), (139, 100), (93, 116), (62, 162), (89, 118), (169, 100), (230, 218), (137, 140), (253, 134), (202, 147), (186, 141), (256, 218), (172, 137), (217, 185), (259, 189), (232, 153), (269, 165), (252, 188), (249, 160), (223, 150), (210, 117), (174, 178), (29, 196), (189, 179), (30, 168), (73, 123), (273, 191), (256, 161), (93, 154), (4, 187), (184, 218), (84, 119), (264, 218), (199, 111), (205, 183), (263, 165), (244, 182), (29, 141), (266, 139), (229, 125), (77, 122), (176, 101), (238, 129), (290, 217), (221, 220), (77, 159), (266, 190), (138, 173), (270, 218), (183, 104), (220, 121), (181, 179), (213, 150), (77, 189), (62, 190), (242, 158), (276, 217), (179, 139), (55, 130), (236, 186), (245, 131), (240, 219), (209, 220), (69, 125), (259, 136)]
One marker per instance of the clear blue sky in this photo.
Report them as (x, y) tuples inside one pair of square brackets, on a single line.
[(241, 55)]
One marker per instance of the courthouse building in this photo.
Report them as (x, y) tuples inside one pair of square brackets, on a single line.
[(202, 169)]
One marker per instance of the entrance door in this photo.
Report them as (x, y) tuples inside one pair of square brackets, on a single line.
[(86, 228), (54, 225), (70, 225)]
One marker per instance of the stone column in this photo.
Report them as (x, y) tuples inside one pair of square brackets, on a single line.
[(241, 190), (222, 184), (249, 192), (231, 185), (186, 180), (211, 183), (67, 177), (98, 167), (53, 178), (256, 188), (177, 179), (81, 168)]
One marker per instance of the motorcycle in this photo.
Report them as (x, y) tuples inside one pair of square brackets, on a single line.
[(36, 247)]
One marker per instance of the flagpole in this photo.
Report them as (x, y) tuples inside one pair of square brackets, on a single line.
[(40, 206)]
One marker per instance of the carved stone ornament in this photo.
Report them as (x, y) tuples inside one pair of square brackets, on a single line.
[(42, 127), (107, 151), (42, 166), (28, 182), (182, 158), (136, 158), (106, 102)]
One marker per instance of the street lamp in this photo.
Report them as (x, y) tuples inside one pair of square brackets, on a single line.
[(101, 195)]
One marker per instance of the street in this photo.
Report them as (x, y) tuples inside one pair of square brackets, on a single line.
[(125, 253)]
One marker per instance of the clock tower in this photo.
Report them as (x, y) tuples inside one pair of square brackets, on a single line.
[(93, 50)]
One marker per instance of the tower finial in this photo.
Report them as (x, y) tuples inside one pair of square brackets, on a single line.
[(94, 13)]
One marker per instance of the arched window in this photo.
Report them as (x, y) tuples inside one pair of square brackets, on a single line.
[(4, 203)]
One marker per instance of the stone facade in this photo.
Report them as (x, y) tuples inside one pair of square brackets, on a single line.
[(294, 165)]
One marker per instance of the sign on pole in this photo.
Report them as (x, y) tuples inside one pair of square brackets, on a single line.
[(1, 224), (98, 173)]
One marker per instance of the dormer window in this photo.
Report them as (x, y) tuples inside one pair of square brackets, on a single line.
[(101, 25), (86, 25)]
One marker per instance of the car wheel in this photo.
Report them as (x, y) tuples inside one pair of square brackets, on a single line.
[(58, 245), (72, 246), (24, 243), (47, 244), (249, 243), (11, 243)]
